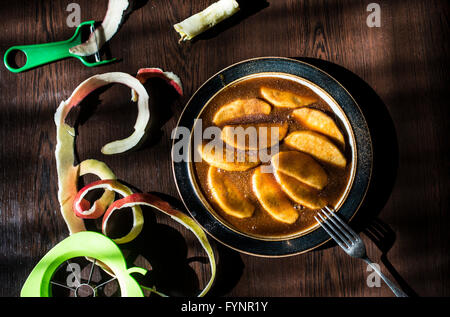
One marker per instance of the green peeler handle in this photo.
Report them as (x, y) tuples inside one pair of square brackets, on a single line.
[(40, 54)]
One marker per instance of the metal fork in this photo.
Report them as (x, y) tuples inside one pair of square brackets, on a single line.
[(351, 242)]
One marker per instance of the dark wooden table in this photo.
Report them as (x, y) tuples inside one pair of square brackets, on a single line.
[(398, 72)]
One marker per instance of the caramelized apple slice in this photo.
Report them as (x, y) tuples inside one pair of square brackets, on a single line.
[(236, 162), (302, 167), (254, 136), (272, 198), (299, 192), (285, 99), (317, 145), (241, 108), (318, 121), (227, 195)]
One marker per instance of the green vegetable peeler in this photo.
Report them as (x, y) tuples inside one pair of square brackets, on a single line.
[(40, 54), (83, 244)]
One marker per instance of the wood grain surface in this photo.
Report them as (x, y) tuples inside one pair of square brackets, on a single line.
[(397, 72)]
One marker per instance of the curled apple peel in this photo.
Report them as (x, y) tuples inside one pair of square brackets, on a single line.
[(164, 207), (68, 175), (74, 207), (97, 81), (145, 73), (103, 172), (83, 209), (68, 172), (102, 34)]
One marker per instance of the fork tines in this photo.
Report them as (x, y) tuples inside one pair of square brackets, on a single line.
[(336, 228)]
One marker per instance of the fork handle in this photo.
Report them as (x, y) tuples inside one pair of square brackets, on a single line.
[(397, 291)]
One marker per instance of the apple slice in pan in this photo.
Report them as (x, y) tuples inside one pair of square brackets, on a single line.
[(299, 192), (234, 162), (318, 146), (272, 198), (227, 195), (300, 166), (241, 108), (319, 121), (285, 99), (254, 136)]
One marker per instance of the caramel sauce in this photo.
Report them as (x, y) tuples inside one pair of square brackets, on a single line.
[(261, 224)]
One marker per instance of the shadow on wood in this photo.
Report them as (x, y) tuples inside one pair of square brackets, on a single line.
[(384, 238), (383, 135), (385, 162)]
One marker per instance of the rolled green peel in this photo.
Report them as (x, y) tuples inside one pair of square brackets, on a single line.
[(206, 19)]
